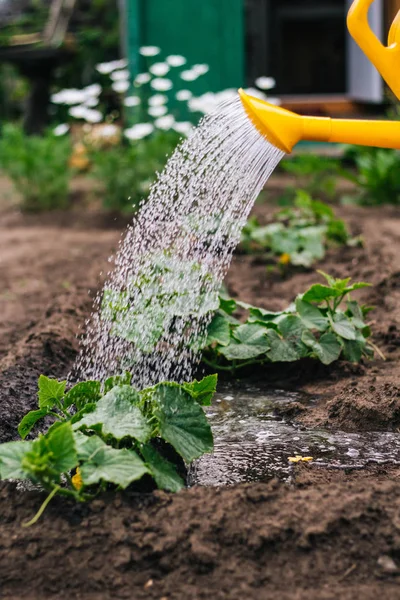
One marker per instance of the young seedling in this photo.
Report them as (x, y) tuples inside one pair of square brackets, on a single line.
[(299, 235), (324, 323)]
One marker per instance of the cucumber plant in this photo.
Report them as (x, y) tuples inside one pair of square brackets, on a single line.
[(299, 234), (324, 323), (109, 434)]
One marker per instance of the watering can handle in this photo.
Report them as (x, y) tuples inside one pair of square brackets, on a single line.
[(385, 58)]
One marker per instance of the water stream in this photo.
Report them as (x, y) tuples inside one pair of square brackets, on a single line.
[(153, 313), (253, 444)]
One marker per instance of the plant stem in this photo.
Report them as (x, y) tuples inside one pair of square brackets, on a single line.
[(56, 415), (42, 508), (383, 357), (216, 366)]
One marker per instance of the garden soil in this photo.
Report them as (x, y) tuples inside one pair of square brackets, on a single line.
[(328, 535)]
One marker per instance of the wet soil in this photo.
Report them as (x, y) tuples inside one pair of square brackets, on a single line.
[(329, 534)]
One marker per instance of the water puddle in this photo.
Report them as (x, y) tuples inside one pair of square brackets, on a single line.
[(253, 444)]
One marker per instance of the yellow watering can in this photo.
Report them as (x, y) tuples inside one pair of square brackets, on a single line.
[(284, 128)]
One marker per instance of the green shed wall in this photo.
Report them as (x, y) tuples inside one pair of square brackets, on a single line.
[(203, 31)]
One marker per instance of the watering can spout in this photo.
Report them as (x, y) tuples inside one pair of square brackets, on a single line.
[(284, 129), (279, 126)]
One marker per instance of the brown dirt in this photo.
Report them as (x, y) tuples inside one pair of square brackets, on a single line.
[(332, 534)]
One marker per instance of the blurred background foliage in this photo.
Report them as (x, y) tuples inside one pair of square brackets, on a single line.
[(95, 29)]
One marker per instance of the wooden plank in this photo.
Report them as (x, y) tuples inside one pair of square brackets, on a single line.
[(321, 105)]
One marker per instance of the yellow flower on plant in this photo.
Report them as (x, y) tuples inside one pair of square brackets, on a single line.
[(299, 458), (77, 480), (284, 258)]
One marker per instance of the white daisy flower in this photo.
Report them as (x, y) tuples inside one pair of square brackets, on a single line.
[(78, 112), (204, 104), (183, 95), (157, 111), (258, 94), (132, 101), (265, 83), (183, 127), (161, 85), (61, 129), (121, 75), (69, 97), (175, 60), (92, 90), (189, 75), (158, 100), (200, 69), (91, 102), (120, 86), (93, 116), (159, 69), (108, 67), (149, 50), (142, 78), (108, 130), (165, 123), (139, 131)]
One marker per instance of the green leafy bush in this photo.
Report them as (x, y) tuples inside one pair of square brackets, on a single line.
[(299, 234), (38, 167), (126, 172), (107, 434), (315, 326), (377, 174)]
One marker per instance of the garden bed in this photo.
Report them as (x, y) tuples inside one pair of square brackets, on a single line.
[(332, 534)]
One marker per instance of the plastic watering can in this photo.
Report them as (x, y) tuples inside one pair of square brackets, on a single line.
[(284, 128)]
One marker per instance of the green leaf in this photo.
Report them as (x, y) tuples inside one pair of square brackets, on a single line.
[(317, 293), (163, 471), (356, 286), (228, 305), (260, 315), (87, 445), (291, 326), (51, 391), (352, 350), (30, 420), (11, 455), (341, 286), (282, 350), (202, 391), (118, 415), (111, 382), (120, 467), (311, 316), (60, 442), (83, 393), (331, 280), (355, 312), (239, 351), (251, 335), (343, 327), (249, 342), (218, 331), (327, 349), (88, 408), (182, 422)]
